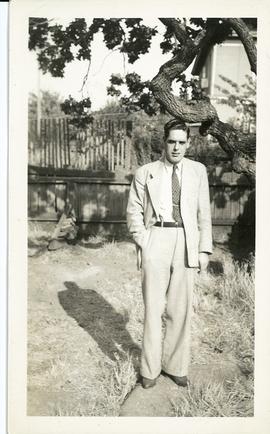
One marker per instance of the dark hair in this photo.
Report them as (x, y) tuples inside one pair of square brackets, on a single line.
[(175, 124)]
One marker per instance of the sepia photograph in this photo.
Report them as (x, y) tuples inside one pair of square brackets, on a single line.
[(140, 252), (98, 168)]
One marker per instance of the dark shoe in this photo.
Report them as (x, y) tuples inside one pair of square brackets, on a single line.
[(180, 381), (147, 383)]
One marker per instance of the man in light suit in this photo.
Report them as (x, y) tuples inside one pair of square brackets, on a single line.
[(169, 217)]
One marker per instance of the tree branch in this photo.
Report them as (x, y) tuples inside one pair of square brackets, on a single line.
[(239, 146), (161, 84), (161, 88), (179, 30)]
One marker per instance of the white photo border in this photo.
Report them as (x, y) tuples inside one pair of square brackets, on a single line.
[(19, 422)]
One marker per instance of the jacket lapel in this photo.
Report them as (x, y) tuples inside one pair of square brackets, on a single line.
[(184, 178), (187, 181), (155, 179), (154, 184)]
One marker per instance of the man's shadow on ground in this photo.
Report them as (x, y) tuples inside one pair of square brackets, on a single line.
[(98, 318)]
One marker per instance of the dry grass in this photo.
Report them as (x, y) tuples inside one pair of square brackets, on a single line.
[(223, 327), (85, 330), (224, 315), (234, 399)]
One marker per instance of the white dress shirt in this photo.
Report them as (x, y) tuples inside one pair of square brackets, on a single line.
[(165, 204)]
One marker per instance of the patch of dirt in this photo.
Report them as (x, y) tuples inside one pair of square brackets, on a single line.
[(78, 321), (85, 318), (157, 401)]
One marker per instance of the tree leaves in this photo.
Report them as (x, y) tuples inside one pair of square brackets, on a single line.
[(190, 90), (168, 42), (113, 33), (38, 31), (140, 96), (56, 46), (55, 43), (138, 42), (78, 111)]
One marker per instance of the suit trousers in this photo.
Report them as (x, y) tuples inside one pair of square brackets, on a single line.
[(167, 281)]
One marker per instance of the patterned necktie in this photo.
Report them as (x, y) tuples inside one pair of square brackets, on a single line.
[(176, 196)]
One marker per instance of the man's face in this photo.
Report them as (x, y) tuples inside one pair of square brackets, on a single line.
[(176, 145)]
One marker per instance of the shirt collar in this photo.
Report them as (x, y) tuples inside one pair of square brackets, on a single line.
[(169, 166)]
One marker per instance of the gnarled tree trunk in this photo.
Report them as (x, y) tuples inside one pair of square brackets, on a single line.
[(240, 147)]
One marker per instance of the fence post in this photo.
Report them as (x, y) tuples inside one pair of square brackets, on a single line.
[(127, 153), (54, 132)]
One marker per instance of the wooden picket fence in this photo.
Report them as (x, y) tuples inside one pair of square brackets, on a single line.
[(103, 145), (92, 170)]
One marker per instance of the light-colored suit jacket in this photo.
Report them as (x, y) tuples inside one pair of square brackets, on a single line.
[(143, 206)]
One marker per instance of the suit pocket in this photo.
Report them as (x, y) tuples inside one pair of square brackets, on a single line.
[(146, 238)]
